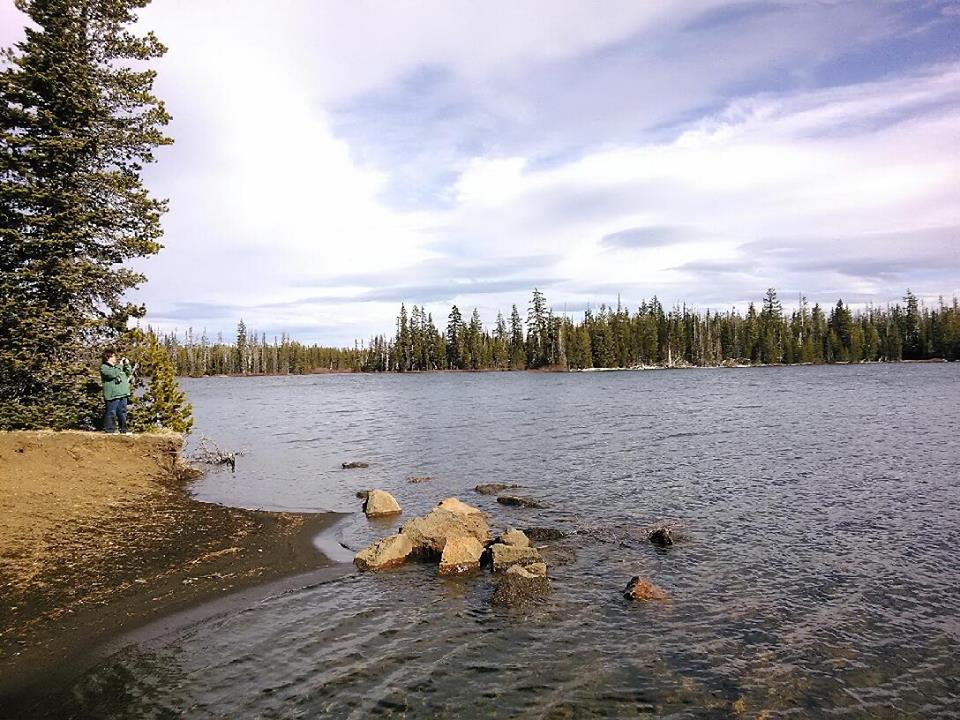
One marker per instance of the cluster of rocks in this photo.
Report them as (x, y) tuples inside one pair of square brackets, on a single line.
[(457, 537)]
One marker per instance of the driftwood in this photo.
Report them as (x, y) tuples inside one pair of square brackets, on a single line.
[(209, 453)]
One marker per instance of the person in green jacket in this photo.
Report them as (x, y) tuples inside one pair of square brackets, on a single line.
[(116, 390)]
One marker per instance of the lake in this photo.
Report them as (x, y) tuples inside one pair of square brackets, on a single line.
[(820, 574)]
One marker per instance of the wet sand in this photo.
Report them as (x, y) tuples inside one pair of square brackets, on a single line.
[(99, 536)]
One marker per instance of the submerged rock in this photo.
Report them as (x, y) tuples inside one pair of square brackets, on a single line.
[(416, 480), (429, 534), (640, 589), (380, 503), (518, 501), (503, 556), (519, 586), (544, 533), (383, 554), (514, 537), (354, 465), (492, 488), (662, 536), (460, 554), (363, 494)]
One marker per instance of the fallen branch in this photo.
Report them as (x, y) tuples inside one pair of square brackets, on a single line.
[(209, 453)]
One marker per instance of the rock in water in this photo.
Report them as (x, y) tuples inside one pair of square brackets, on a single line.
[(354, 465), (417, 479), (386, 553), (380, 503), (429, 534), (453, 505), (662, 537), (503, 556), (492, 488), (518, 586), (363, 494), (640, 589), (460, 554), (514, 537), (518, 501), (542, 533)]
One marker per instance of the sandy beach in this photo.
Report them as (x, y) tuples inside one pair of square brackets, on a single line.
[(99, 536)]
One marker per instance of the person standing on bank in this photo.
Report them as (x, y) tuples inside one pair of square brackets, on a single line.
[(116, 390)]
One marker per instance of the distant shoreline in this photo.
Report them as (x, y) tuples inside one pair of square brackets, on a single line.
[(639, 368)]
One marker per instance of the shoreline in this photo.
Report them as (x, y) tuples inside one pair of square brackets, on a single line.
[(89, 557), (638, 368)]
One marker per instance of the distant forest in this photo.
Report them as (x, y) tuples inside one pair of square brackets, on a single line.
[(610, 337)]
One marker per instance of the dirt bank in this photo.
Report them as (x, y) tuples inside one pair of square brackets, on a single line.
[(98, 535)]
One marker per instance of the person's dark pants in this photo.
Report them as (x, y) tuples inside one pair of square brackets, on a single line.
[(116, 411)]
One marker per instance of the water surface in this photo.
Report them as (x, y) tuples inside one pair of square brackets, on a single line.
[(820, 577)]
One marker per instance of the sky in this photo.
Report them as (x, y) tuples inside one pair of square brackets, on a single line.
[(334, 159)]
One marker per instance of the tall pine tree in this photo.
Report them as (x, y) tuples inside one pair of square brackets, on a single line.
[(78, 121)]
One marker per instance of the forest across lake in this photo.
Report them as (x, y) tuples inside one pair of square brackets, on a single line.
[(610, 337)]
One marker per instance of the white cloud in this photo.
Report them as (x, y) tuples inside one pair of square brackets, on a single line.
[(273, 208)]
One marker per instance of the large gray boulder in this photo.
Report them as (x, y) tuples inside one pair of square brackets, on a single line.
[(380, 503), (386, 553)]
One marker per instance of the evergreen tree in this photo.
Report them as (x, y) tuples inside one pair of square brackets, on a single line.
[(455, 339), (243, 350), (537, 321), (163, 405), (518, 351), (78, 121)]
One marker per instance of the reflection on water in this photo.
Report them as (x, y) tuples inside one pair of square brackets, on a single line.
[(820, 575)]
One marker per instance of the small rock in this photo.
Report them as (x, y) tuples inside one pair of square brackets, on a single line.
[(492, 488), (514, 537), (543, 533), (518, 501), (503, 556), (416, 480), (363, 494), (386, 553), (452, 504), (640, 589), (354, 465), (380, 503), (460, 554), (662, 536)]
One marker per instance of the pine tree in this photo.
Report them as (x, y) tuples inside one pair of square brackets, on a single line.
[(518, 351), (163, 405), (243, 350), (455, 339), (537, 321), (77, 125)]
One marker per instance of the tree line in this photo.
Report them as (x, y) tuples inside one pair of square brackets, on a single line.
[(610, 337)]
